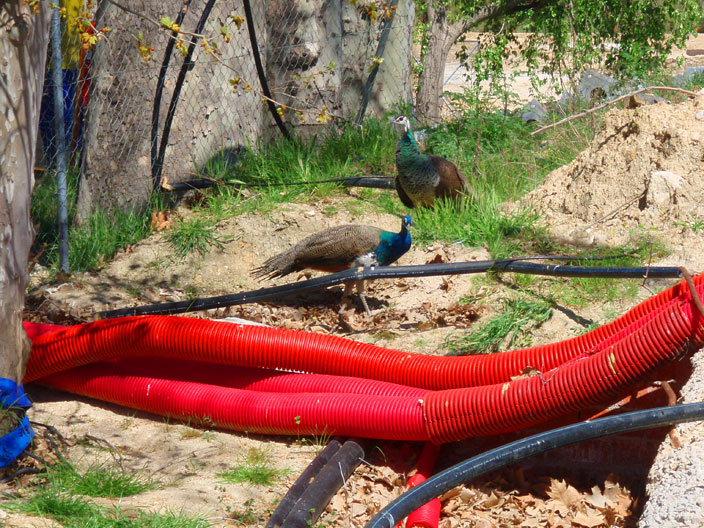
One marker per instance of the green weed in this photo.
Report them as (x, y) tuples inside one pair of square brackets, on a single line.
[(255, 470), (196, 234), (92, 243), (99, 481), (511, 327), (476, 224), (62, 495)]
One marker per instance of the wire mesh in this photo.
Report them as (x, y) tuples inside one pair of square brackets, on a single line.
[(317, 57)]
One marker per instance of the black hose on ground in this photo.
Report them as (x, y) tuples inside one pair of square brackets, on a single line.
[(372, 181), (514, 265), (464, 472), (325, 485), (296, 491)]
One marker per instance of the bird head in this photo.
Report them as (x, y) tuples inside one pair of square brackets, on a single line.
[(406, 221), (401, 124)]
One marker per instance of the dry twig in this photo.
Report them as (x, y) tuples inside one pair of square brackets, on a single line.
[(614, 101)]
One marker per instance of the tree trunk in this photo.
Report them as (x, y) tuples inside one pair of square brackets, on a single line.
[(23, 43), (443, 35)]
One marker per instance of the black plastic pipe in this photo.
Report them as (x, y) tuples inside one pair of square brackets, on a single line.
[(296, 491), (325, 485), (160, 83), (372, 181), (381, 46), (260, 69), (185, 68), (464, 472), (394, 272)]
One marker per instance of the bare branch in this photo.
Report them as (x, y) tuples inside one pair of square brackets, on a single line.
[(156, 22), (173, 35), (614, 101), (495, 10)]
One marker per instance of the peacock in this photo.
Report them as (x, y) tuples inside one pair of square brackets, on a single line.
[(422, 178), (339, 248)]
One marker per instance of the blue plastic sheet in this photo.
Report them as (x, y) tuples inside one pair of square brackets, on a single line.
[(13, 443)]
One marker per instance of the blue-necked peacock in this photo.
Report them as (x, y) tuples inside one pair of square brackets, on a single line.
[(422, 178), (339, 248)]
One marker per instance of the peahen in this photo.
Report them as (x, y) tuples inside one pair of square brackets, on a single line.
[(422, 178), (339, 248)]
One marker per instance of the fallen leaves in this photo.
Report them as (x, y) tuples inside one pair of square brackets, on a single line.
[(556, 504)]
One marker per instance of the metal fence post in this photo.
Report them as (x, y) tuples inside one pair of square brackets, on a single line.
[(60, 129)]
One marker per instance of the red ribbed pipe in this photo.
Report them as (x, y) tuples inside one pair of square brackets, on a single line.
[(262, 380), (479, 411), (264, 347), (593, 371), (428, 515), (385, 417)]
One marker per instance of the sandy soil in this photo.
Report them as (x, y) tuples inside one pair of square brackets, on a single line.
[(411, 315)]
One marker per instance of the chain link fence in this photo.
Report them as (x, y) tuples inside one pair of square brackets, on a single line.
[(145, 107)]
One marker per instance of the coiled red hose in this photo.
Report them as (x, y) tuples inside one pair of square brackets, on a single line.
[(577, 372), (264, 347), (378, 416)]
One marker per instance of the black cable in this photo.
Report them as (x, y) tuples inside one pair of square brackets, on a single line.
[(160, 83), (260, 69), (185, 68), (22, 471), (299, 487), (372, 181), (464, 472), (394, 272)]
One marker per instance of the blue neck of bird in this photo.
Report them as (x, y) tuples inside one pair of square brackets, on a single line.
[(407, 147), (392, 246)]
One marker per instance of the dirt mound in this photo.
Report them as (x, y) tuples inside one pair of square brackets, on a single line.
[(644, 170)]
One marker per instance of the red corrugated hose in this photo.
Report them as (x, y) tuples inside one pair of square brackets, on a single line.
[(364, 390), (428, 515)]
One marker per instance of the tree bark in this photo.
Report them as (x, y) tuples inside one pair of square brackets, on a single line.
[(443, 34), (23, 43)]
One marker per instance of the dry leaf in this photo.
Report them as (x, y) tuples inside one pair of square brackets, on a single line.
[(493, 500), (531, 522), (527, 372), (557, 507), (161, 220), (562, 492), (357, 509), (596, 498), (589, 520)]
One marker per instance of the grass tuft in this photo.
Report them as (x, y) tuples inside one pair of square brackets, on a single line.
[(476, 224), (254, 470), (511, 328), (196, 234), (99, 481), (62, 495)]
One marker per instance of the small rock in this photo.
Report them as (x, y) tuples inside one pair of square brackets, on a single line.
[(699, 115), (662, 186)]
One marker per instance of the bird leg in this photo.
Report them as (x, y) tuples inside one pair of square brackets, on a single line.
[(360, 292), (346, 295), (344, 323)]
